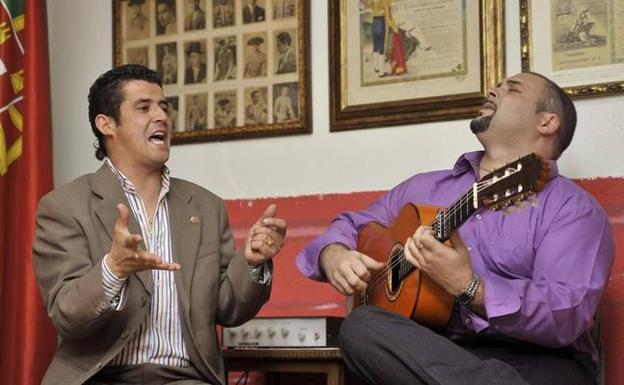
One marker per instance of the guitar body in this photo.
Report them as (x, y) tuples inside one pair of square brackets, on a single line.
[(415, 296)]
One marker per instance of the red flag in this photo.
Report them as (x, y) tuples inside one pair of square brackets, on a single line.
[(27, 337)]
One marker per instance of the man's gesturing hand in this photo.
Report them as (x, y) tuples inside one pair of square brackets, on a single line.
[(126, 255), (266, 237)]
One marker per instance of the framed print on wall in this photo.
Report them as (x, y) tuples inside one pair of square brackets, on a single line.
[(578, 44), (407, 61), (231, 69)]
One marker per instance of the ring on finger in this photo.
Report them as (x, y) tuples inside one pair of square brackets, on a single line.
[(269, 242), (136, 255)]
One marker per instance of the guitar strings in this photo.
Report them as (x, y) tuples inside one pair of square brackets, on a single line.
[(398, 256)]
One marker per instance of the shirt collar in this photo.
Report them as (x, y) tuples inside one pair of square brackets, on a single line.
[(467, 161), (471, 160), (127, 185)]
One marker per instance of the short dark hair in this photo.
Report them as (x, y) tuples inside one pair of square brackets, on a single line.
[(168, 3), (284, 38), (555, 100), (105, 96)]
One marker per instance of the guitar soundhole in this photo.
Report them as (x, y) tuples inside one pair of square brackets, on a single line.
[(394, 281)]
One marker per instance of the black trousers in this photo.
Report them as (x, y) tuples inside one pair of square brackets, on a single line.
[(380, 347), (147, 374)]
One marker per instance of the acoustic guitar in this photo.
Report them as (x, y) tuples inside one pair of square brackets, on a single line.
[(403, 289)]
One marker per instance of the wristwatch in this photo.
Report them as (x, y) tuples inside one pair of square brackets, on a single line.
[(468, 294)]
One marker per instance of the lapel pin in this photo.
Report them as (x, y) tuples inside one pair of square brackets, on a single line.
[(194, 220)]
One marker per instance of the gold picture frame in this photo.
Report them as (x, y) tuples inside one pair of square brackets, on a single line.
[(231, 69), (578, 44), (435, 63)]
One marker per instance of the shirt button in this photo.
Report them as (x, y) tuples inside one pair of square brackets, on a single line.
[(479, 217), (143, 301), (467, 321), (469, 248), (124, 335), (99, 365)]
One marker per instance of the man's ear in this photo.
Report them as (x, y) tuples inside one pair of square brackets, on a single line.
[(549, 124), (105, 124)]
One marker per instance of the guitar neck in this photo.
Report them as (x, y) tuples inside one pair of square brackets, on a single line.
[(444, 223), (448, 220)]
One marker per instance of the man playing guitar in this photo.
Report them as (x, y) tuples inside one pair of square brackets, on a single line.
[(523, 288)]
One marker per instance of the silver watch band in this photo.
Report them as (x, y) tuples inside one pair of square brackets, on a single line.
[(468, 294)]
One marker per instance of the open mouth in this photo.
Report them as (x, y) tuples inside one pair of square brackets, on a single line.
[(487, 106), (158, 137)]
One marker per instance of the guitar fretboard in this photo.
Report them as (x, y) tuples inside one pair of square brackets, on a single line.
[(448, 220), (445, 222)]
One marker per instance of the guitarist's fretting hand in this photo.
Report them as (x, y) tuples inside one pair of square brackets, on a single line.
[(449, 267), (347, 270)]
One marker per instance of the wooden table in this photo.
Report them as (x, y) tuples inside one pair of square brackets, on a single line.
[(288, 360)]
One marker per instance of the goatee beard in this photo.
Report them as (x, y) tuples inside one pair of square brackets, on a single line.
[(480, 124)]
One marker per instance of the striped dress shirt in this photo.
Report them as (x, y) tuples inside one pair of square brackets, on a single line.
[(159, 338)]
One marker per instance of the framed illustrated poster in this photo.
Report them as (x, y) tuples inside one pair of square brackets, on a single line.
[(406, 61), (578, 44)]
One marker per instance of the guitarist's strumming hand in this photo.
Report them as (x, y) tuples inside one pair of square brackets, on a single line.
[(347, 270), (448, 266)]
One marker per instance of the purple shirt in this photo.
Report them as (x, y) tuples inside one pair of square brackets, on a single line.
[(544, 268)]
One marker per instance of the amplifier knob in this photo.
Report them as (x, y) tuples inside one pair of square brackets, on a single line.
[(285, 332), (244, 333), (302, 336), (317, 335), (271, 332), (257, 333)]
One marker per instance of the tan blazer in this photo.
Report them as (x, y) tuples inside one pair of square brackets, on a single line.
[(74, 232)]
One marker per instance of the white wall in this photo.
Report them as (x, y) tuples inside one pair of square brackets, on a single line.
[(323, 162)]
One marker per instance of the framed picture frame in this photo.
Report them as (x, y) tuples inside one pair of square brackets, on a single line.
[(396, 62), (578, 44), (231, 69)]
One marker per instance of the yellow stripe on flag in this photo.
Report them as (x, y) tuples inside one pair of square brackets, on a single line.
[(5, 32), (17, 81), (18, 23), (15, 151), (16, 117), (3, 153)]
